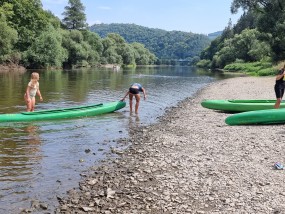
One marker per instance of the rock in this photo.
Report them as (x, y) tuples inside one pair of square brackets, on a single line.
[(190, 161)]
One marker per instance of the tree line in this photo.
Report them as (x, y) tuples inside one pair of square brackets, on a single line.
[(36, 38), (168, 46), (258, 38)]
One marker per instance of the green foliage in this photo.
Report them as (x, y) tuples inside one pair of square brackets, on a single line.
[(53, 20), (259, 35), (76, 48), (204, 63), (224, 56), (74, 16), (248, 46), (94, 40), (27, 17), (142, 55), (266, 72), (254, 68), (110, 50), (33, 37), (214, 35), (164, 44), (195, 60), (46, 51), (8, 38), (247, 21)]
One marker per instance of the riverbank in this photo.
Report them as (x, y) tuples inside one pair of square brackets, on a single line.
[(12, 68), (192, 162)]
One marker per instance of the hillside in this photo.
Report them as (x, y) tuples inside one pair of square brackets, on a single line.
[(164, 44), (214, 35)]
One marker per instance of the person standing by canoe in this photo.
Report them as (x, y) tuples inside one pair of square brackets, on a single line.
[(32, 90), (134, 91), (279, 87)]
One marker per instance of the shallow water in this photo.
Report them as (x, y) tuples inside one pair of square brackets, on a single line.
[(40, 160)]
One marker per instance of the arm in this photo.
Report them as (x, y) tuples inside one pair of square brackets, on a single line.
[(144, 93), (27, 96), (125, 96), (280, 75), (39, 94)]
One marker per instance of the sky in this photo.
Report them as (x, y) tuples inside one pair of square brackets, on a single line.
[(196, 16)]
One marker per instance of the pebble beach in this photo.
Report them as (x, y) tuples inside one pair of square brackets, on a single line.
[(191, 161)]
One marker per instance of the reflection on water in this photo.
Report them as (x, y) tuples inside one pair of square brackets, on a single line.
[(41, 160), (134, 120), (19, 152)]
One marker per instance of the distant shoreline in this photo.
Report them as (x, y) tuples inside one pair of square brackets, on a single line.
[(12, 68)]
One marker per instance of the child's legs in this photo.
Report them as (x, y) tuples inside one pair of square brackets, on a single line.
[(27, 103), (33, 103)]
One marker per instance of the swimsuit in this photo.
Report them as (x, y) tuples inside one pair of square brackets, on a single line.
[(279, 86), (34, 89), (135, 88)]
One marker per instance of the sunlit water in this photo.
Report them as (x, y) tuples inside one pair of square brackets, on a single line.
[(42, 160)]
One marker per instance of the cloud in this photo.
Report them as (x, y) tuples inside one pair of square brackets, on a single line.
[(104, 8)]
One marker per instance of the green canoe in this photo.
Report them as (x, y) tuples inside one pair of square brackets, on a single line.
[(63, 113), (240, 105), (270, 116)]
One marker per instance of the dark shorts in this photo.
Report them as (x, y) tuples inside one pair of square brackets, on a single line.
[(279, 91), (134, 90)]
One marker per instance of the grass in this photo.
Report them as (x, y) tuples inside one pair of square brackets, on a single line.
[(254, 68)]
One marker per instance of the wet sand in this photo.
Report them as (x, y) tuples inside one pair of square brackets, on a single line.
[(191, 162)]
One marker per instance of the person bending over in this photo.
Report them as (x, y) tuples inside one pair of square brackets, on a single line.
[(134, 91)]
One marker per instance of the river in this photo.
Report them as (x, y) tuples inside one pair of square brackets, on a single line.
[(42, 160)]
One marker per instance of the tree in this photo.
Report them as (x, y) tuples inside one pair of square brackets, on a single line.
[(142, 55), (270, 20), (122, 48), (46, 51), (75, 17), (109, 53), (8, 38), (94, 40), (164, 44), (73, 42), (249, 47), (246, 46), (247, 20), (27, 17)]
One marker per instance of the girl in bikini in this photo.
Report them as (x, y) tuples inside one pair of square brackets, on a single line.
[(32, 90)]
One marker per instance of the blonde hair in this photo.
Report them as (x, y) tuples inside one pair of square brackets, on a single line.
[(35, 75)]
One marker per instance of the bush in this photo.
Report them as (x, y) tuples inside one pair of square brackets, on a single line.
[(267, 72), (253, 68), (204, 63)]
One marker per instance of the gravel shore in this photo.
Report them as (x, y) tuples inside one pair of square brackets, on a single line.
[(191, 162)]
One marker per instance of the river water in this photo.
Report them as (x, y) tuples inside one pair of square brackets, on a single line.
[(42, 160)]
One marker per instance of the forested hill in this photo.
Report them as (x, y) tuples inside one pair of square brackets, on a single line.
[(164, 44), (215, 35)]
